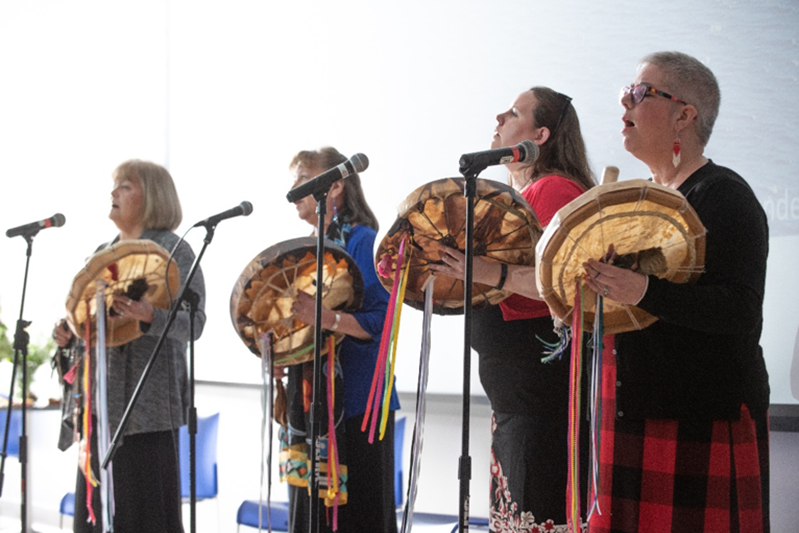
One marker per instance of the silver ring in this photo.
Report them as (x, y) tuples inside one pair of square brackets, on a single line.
[(122, 313), (605, 292), (130, 302)]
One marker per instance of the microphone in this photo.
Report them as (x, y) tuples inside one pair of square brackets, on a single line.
[(524, 152), (243, 209), (55, 221), (356, 163)]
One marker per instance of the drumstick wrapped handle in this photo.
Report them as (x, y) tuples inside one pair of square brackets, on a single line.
[(610, 175)]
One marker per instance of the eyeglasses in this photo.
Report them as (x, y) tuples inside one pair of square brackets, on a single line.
[(638, 92)]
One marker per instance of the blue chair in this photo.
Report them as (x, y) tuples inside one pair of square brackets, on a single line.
[(429, 520), (481, 523), (206, 471), (248, 515), (67, 508), (248, 511), (421, 518), (399, 440), (205, 463), (14, 430)]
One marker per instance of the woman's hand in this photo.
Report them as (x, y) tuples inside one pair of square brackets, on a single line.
[(454, 266), (520, 278), (126, 307), (304, 308), (62, 334), (618, 284)]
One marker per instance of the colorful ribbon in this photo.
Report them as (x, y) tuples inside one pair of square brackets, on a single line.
[(103, 424), (383, 372), (86, 462), (267, 414), (573, 479), (332, 442), (394, 344), (596, 408)]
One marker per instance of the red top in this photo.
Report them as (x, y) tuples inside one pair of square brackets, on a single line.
[(546, 196)]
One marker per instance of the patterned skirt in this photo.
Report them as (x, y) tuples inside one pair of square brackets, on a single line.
[(528, 474), (295, 446), (669, 476)]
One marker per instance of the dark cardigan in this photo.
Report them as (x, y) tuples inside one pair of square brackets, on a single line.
[(702, 359)]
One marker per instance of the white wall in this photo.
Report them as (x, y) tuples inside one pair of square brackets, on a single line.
[(225, 93)]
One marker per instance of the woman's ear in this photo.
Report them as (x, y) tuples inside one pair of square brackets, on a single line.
[(337, 191), (540, 135), (685, 116)]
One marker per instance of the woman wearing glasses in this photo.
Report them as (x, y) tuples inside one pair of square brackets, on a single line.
[(529, 398), (688, 450), (370, 502)]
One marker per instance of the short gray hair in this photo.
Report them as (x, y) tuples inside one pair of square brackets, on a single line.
[(689, 80)]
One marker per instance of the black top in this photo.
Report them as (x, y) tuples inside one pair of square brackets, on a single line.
[(702, 358), (511, 372)]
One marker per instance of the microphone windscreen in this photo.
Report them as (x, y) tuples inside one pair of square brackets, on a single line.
[(359, 162), (58, 220), (246, 208), (530, 151)]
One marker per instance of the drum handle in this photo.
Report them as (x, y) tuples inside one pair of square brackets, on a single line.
[(610, 175)]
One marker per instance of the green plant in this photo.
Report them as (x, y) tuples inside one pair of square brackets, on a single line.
[(38, 354)]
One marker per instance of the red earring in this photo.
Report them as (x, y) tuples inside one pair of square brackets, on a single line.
[(676, 149)]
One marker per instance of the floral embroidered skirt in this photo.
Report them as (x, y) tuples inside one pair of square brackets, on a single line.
[(528, 481)]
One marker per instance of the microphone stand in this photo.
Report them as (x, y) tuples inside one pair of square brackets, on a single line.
[(192, 299), (319, 191), (465, 461), (21, 340), (320, 196)]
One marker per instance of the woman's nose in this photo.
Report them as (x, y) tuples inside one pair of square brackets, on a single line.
[(626, 100)]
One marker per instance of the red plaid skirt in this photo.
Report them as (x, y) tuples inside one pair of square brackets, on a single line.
[(668, 476)]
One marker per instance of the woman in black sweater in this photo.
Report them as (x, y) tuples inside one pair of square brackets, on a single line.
[(685, 446)]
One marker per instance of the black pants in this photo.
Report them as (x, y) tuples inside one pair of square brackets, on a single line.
[(146, 479)]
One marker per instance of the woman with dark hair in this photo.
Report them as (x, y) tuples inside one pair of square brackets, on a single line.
[(685, 429), (529, 398), (370, 467), (146, 477)]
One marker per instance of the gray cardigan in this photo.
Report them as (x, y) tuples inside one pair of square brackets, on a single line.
[(164, 398)]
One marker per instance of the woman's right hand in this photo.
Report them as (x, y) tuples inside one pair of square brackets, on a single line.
[(62, 334), (453, 264)]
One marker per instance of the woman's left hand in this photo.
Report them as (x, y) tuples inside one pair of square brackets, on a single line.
[(128, 308), (618, 284)]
